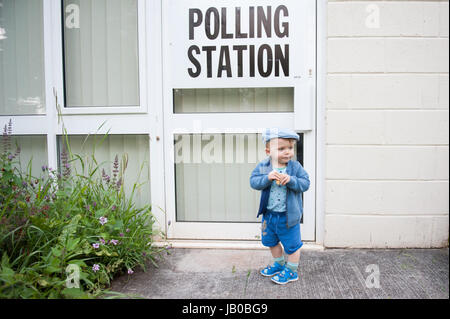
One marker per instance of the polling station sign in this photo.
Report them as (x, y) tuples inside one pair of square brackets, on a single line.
[(237, 43)]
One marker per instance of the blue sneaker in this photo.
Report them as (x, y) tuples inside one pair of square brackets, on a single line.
[(269, 271), (285, 277)]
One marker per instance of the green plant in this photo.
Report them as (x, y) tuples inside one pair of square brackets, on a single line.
[(67, 234)]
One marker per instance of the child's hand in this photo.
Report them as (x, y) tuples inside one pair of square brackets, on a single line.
[(274, 175), (284, 179)]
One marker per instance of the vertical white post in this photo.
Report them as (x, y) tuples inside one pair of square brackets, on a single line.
[(155, 112), (50, 66), (320, 119)]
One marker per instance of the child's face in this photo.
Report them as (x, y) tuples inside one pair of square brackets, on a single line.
[(281, 149)]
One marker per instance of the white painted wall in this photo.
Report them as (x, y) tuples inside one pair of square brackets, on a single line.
[(387, 124)]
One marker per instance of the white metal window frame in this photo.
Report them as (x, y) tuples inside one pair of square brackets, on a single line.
[(57, 10), (321, 94), (302, 120), (142, 119), (133, 120)]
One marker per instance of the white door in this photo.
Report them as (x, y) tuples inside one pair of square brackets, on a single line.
[(230, 71)]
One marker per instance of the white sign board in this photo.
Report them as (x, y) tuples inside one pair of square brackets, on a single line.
[(231, 43)]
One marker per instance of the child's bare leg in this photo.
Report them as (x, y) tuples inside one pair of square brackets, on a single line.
[(293, 260), (277, 251), (294, 257)]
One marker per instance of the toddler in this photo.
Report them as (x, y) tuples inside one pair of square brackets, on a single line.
[(281, 180)]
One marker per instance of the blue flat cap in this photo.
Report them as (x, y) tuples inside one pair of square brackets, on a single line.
[(277, 132)]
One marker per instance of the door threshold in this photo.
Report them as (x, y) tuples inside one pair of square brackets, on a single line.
[(225, 244)]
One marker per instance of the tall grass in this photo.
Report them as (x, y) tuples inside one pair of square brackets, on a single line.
[(68, 233)]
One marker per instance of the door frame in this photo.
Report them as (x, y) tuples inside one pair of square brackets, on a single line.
[(192, 123), (321, 100)]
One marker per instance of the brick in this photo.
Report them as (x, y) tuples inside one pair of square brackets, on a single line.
[(387, 162), (387, 197), (406, 55), (387, 91), (385, 231), (400, 18), (407, 127)]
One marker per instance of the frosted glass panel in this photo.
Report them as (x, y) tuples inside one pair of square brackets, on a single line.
[(22, 82), (212, 173), (101, 53), (234, 100), (32, 148), (135, 146)]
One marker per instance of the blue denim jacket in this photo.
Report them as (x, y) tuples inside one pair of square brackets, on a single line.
[(298, 184)]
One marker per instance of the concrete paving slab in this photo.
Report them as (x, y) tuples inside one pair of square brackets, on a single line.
[(330, 274)]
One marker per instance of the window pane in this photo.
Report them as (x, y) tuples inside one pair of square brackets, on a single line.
[(22, 82), (237, 100), (101, 53), (212, 177), (135, 146), (32, 148)]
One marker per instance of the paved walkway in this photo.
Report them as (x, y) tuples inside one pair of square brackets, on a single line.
[(331, 273)]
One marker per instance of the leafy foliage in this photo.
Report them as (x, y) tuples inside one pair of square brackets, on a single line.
[(67, 235)]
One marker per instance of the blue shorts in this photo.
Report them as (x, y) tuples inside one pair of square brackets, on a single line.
[(274, 230)]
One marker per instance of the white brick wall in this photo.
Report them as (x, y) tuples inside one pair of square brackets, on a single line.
[(387, 124)]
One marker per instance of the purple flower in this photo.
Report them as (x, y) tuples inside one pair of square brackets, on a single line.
[(95, 268), (114, 241), (105, 176), (7, 138), (9, 127), (114, 207), (7, 131), (103, 220), (130, 271), (118, 184), (115, 167), (96, 245), (128, 230), (102, 241), (65, 163), (121, 235)]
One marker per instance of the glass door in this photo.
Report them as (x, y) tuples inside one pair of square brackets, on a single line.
[(228, 73)]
